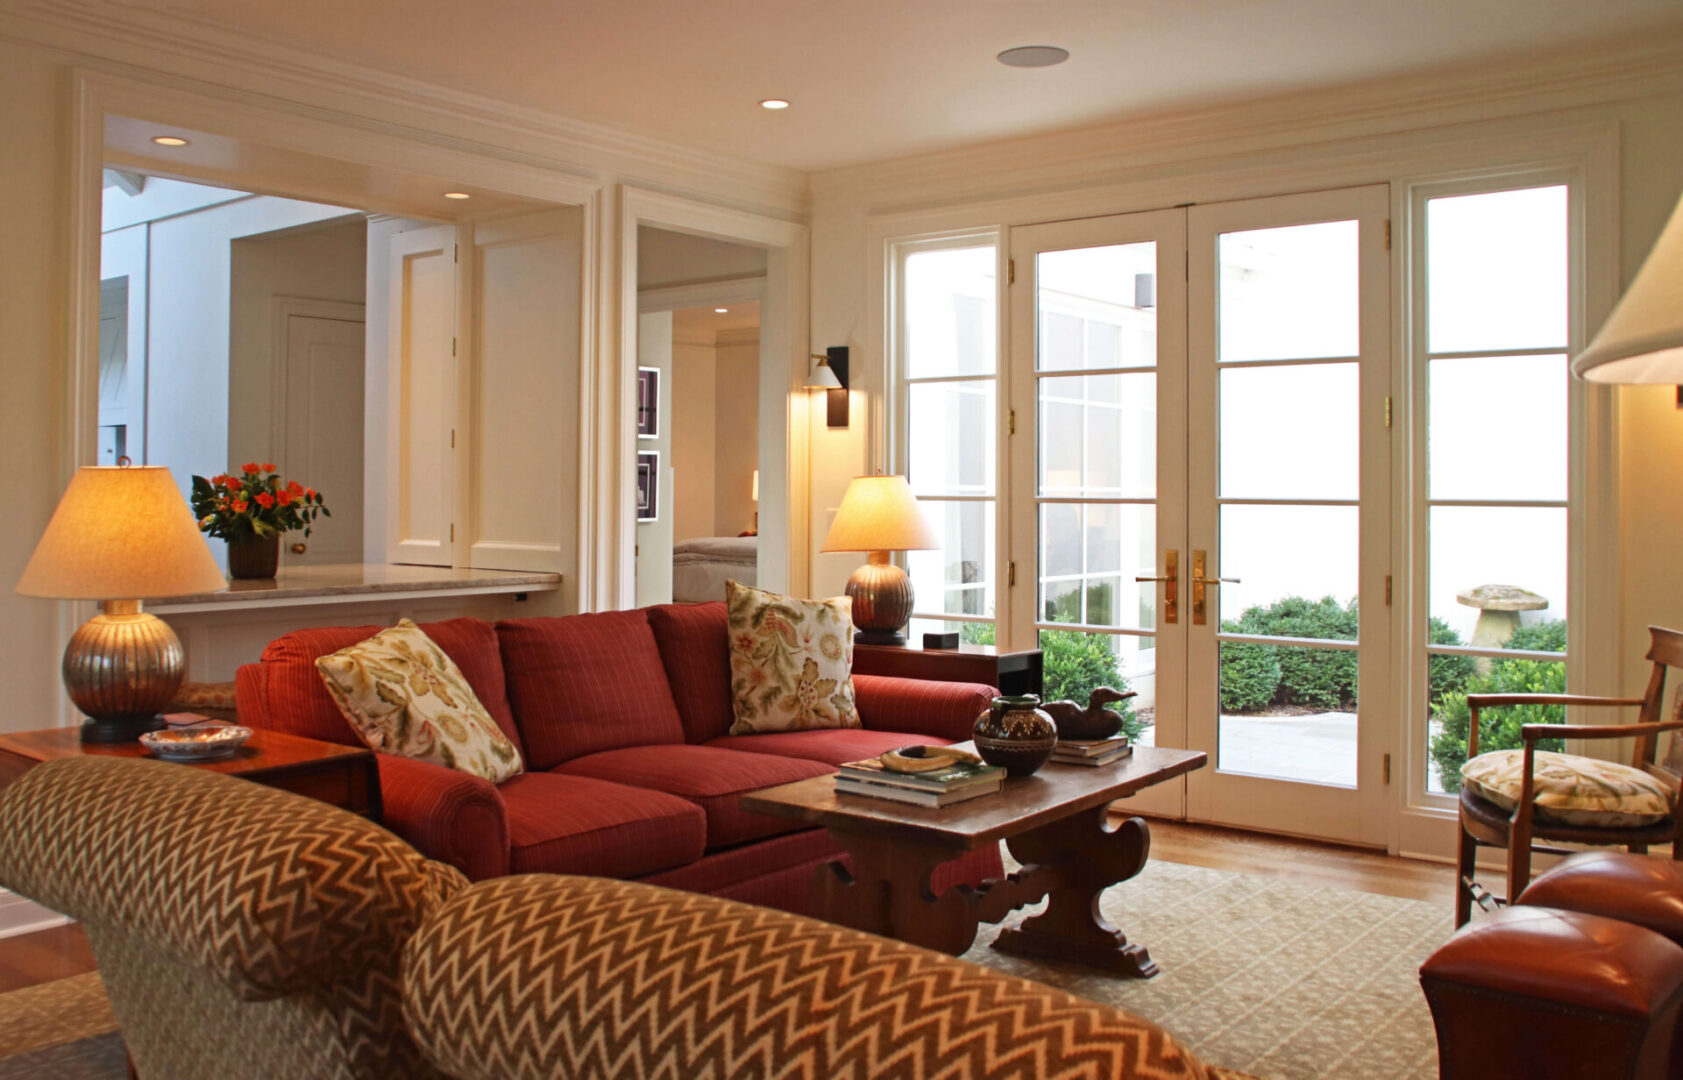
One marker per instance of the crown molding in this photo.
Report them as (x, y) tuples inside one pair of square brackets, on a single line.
[(747, 335), (185, 53), (1619, 69)]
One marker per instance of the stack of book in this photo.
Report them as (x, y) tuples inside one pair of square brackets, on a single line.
[(1092, 751), (950, 784)]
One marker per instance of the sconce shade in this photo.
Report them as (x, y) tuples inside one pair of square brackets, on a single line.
[(822, 377), (880, 513), (1642, 341), (756, 493), (121, 533)]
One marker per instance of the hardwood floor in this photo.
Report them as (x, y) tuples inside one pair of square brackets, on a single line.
[(46, 955)]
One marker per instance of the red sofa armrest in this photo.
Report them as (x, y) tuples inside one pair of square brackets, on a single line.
[(250, 694), (943, 710), (447, 815)]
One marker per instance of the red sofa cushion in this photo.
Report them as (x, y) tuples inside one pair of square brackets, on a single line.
[(577, 825), (581, 684), (831, 746), (695, 649), (711, 778), (295, 701)]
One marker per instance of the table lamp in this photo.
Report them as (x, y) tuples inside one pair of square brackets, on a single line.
[(121, 533), (879, 514), (1642, 340)]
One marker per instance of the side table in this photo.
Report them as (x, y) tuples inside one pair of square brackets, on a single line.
[(1013, 672), (345, 776)]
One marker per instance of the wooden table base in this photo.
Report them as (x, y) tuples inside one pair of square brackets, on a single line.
[(1069, 862)]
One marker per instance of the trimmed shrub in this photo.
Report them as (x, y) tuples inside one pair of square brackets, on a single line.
[(1500, 727), (1249, 676), (1311, 678)]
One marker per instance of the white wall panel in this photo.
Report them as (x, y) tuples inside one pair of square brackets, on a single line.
[(421, 380)]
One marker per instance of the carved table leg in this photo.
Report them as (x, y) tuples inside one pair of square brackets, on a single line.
[(888, 893), (1085, 857)]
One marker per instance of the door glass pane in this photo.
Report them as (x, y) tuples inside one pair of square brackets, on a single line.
[(1496, 427), (1090, 555), (1495, 569), (957, 578), (1290, 432), (1448, 719), (1289, 293), (1078, 662), (1098, 307), (1288, 713), (950, 322), (1287, 557), (1496, 271), (950, 440), (1098, 435)]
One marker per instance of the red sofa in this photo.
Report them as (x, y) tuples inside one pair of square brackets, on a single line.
[(622, 719)]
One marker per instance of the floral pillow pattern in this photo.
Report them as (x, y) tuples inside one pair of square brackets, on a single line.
[(791, 661), (403, 695), (1570, 789)]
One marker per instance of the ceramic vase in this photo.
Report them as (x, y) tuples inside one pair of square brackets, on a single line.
[(252, 556), (1016, 734)]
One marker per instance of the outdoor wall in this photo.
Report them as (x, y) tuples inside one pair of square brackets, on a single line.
[(693, 420)]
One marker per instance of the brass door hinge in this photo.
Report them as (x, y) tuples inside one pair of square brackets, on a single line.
[(1387, 410), (452, 532), (452, 438), (1387, 590), (1010, 271), (1011, 423), (1387, 234), (452, 346), (1387, 768), (1011, 574), (455, 253)]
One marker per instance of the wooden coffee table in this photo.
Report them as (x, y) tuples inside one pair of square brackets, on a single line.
[(1054, 823)]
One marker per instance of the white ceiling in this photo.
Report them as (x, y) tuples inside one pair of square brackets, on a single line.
[(874, 79), (701, 324)]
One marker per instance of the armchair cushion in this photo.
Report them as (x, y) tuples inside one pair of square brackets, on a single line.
[(1571, 790)]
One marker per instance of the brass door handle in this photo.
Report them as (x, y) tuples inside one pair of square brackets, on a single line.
[(1171, 585), (1201, 583), (1215, 580)]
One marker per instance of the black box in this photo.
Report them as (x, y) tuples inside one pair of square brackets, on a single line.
[(941, 641)]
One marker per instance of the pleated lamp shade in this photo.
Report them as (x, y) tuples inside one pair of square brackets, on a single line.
[(121, 533), (880, 513), (1642, 341)]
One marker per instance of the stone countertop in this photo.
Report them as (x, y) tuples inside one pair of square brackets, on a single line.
[(349, 582)]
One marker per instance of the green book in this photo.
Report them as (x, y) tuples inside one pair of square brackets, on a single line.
[(960, 774)]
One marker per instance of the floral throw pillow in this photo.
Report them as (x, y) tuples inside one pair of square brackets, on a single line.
[(403, 695), (791, 661), (1570, 789)]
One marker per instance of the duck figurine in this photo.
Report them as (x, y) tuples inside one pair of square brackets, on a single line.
[(1093, 722)]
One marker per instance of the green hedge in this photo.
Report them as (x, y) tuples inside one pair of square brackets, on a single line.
[(1500, 727), (1076, 663)]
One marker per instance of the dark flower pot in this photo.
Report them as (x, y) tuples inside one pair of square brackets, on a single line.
[(252, 556)]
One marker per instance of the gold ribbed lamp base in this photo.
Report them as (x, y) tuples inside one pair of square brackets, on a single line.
[(122, 668), (882, 601)]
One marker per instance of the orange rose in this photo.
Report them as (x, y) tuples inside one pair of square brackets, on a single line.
[(265, 500), (268, 467), (295, 487), (309, 493), (239, 506), (249, 467), (284, 497)]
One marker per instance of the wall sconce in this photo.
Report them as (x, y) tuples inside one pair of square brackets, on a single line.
[(830, 375)]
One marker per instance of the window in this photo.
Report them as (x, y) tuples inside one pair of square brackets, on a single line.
[(1497, 276), (948, 362)]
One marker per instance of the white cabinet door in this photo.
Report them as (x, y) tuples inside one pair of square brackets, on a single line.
[(322, 440), (422, 393)]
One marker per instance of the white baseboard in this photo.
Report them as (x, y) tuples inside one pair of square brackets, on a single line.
[(20, 915)]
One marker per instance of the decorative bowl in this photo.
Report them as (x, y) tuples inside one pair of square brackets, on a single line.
[(196, 743)]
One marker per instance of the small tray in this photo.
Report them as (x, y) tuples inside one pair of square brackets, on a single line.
[(206, 743)]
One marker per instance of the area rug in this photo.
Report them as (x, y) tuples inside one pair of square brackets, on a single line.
[(61, 1030), (1278, 979), (1273, 978)]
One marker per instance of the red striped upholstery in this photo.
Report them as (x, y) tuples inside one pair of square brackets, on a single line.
[(290, 697), (587, 683), (942, 710), (713, 779), (830, 746), (450, 816), (576, 825), (695, 649)]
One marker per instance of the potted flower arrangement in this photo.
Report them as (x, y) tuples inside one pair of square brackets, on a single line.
[(250, 512)]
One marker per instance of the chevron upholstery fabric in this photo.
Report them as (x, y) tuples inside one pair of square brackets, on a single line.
[(532, 977), (240, 930)]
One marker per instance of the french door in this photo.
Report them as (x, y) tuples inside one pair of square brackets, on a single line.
[(1199, 484)]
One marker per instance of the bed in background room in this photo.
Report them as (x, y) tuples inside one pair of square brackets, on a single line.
[(700, 566)]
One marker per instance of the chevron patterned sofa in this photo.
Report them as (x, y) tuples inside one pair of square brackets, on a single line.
[(244, 931), (622, 719)]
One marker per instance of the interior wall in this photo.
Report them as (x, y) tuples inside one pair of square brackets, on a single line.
[(666, 258), (737, 421), (694, 427), (654, 538)]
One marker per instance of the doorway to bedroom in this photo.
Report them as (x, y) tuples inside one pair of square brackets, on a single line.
[(698, 424)]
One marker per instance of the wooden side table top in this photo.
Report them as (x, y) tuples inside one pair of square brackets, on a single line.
[(1056, 791)]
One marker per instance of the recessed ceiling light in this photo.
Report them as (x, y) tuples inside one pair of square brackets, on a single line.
[(169, 140), (1033, 56), (457, 195), (774, 103), (721, 311)]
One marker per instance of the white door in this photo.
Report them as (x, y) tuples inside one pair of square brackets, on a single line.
[(321, 445), (422, 389), (1098, 465), (1197, 394)]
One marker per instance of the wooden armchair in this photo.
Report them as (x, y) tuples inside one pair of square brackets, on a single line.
[(1519, 830)]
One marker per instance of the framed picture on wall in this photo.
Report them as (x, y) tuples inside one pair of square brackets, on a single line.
[(648, 403), (648, 485)]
